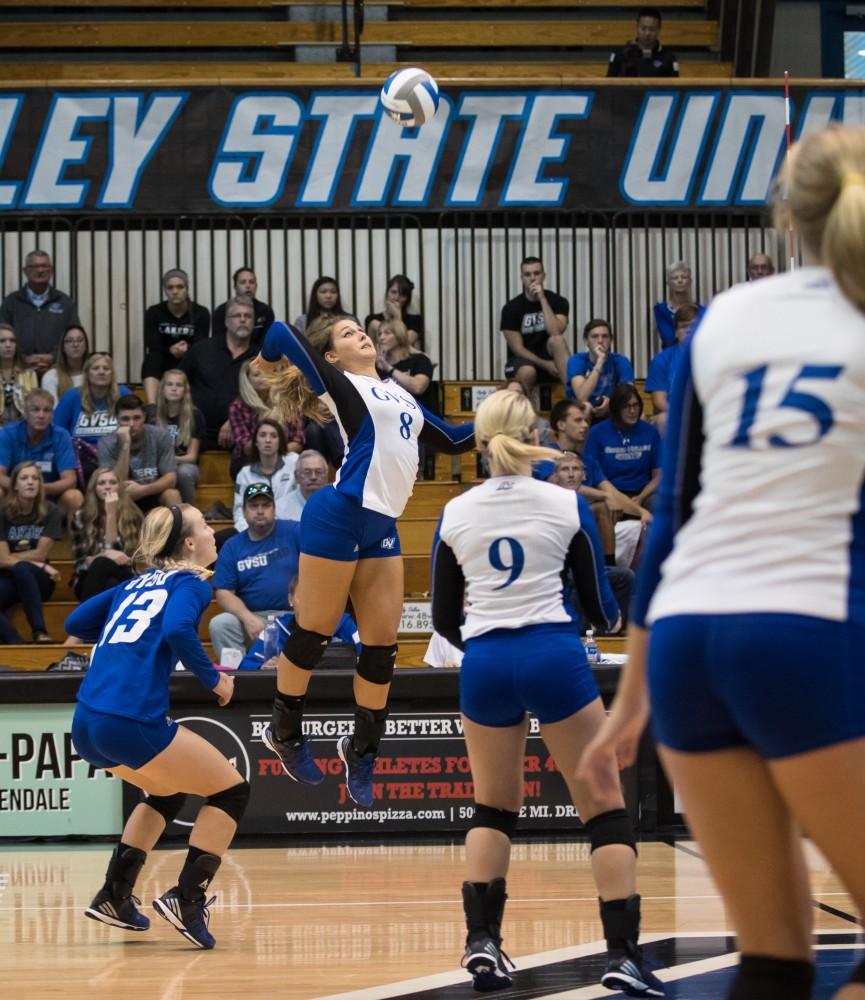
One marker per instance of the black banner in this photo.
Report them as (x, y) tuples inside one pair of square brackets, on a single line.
[(221, 150)]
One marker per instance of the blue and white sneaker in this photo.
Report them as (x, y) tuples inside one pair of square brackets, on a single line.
[(122, 913), (358, 771), (488, 965), (629, 975), (191, 918), (296, 759)]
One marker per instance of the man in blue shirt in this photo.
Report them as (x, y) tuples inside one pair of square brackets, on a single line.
[(36, 439), (253, 572), (663, 368), (593, 374)]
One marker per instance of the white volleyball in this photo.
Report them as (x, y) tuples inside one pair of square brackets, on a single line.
[(410, 96)]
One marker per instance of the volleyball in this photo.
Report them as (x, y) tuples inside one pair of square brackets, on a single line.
[(410, 97)]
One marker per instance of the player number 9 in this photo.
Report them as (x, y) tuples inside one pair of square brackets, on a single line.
[(516, 559)]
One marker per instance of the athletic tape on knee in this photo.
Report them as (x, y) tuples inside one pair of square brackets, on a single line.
[(611, 827), (859, 973), (304, 648), (376, 663), (494, 819), (168, 806), (232, 801)]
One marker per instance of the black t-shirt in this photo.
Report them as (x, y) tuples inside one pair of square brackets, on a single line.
[(214, 376), (420, 364), (162, 329), (632, 61), (413, 321), (199, 428), (263, 319), (23, 536), (527, 318)]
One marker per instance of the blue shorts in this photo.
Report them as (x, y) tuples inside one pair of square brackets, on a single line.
[(333, 526), (780, 684), (108, 740), (540, 669)]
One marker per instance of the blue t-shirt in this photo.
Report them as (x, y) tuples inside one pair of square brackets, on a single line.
[(665, 320), (662, 370), (54, 453), (617, 370), (593, 475), (259, 572), (345, 632), (88, 427), (144, 627), (627, 458)]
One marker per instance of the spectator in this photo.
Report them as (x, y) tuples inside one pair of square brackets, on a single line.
[(29, 526), (533, 324), (397, 301), (760, 265), (37, 440), (678, 294), (38, 313), (644, 56), (542, 425), (244, 414), (324, 300), (594, 373), (105, 535), (271, 464), (88, 413), (142, 457), (245, 286), (16, 378), (171, 327), (185, 423), (213, 369), (310, 474), (253, 571), (409, 368), (68, 370), (662, 370), (627, 448)]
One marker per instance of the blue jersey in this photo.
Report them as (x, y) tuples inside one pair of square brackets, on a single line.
[(617, 370), (53, 454), (380, 424), (143, 628), (260, 572), (663, 369), (627, 458), (90, 427)]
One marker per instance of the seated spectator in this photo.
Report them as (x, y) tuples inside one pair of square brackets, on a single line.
[(29, 526), (16, 378), (310, 474), (760, 265), (38, 313), (678, 294), (185, 423), (627, 448), (171, 327), (663, 367), (644, 56), (533, 325), (542, 425), (409, 368), (245, 286), (324, 300), (397, 302), (271, 464), (142, 457), (213, 369), (68, 370), (253, 571), (105, 535), (252, 405), (88, 413), (594, 373), (36, 439)]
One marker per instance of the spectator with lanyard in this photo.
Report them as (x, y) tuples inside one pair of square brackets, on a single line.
[(324, 300), (594, 373), (271, 463), (68, 370), (252, 405)]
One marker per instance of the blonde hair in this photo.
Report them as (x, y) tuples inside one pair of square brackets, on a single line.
[(185, 420), (112, 394), (400, 333), (89, 522), (249, 394), (505, 426), (822, 186), (155, 534)]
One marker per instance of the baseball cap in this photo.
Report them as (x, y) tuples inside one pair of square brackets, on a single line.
[(258, 490)]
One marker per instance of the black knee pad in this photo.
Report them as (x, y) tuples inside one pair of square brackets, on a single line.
[(168, 806), (304, 648), (376, 663), (772, 979), (611, 827), (232, 801), (502, 820), (859, 973)]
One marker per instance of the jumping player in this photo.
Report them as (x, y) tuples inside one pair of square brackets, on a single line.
[(750, 606), (348, 537), (141, 629), (508, 542)]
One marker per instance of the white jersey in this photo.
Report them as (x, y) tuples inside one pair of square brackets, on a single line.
[(511, 537), (776, 522)]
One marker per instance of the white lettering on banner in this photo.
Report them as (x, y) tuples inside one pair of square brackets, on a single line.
[(256, 148), (480, 393), (540, 144), (339, 114), (416, 617), (488, 113), (9, 108)]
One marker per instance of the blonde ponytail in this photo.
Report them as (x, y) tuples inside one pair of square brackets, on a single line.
[(505, 427), (155, 535)]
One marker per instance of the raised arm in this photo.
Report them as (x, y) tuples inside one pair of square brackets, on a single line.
[(283, 341), (450, 439)]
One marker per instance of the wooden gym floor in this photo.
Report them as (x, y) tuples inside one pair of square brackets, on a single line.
[(370, 922)]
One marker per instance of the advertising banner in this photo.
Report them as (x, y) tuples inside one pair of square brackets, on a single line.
[(211, 150)]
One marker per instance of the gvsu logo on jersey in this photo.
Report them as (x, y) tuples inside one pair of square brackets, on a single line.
[(389, 543)]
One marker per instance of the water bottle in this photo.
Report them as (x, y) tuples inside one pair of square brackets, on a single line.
[(592, 654), (271, 635)]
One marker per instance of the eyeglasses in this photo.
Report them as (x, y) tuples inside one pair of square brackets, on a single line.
[(312, 473)]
